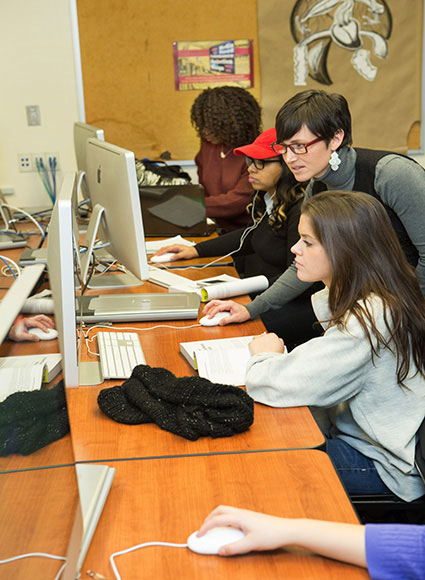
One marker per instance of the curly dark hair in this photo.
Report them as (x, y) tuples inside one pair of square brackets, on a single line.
[(229, 115)]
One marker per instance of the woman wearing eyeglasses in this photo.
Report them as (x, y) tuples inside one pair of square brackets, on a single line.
[(314, 138), (275, 211)]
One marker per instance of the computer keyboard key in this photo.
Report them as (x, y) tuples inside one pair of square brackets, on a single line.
[(119, 353)]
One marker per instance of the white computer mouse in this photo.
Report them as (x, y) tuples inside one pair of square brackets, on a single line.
[(205, 321), (162, 258), (49, 335), (213, 539)]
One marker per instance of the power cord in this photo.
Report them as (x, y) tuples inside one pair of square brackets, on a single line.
[(43, 172), (85, 331), (30, 217), (39, 555), (14, 264), (144, 545), (243, 237)]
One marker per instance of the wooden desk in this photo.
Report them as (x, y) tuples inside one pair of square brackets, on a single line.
[(166, 500), (37, 511), (58, 453), (98, 438)]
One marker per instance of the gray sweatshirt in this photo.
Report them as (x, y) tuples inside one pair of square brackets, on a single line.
[(354, 397)]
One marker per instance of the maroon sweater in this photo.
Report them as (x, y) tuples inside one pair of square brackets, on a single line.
[(227, 189)]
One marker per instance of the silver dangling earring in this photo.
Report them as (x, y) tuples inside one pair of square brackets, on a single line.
[(335, 161)]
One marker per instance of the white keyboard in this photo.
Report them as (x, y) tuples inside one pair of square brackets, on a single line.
[(119, 353)]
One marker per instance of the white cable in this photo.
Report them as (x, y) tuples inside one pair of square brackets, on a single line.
[(243, 237), (15, 265), (119, 329), (108, 267), (81, 174), (41, 555), (145, 545), (43, 233)]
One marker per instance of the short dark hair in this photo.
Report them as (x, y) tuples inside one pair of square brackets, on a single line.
[(323, 113), (231, 114)]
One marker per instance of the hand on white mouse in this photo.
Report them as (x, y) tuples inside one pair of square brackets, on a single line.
[(238, 313), (335, 540), (179, 251), (262, 532), (19, 331), (214, 320)]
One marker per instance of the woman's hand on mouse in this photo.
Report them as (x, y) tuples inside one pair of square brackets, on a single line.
[(262, 532), (267, 342), (335, 540), (238, 313), (19, 331), (180, 251)]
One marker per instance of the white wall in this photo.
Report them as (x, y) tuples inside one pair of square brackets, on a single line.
[(36, 68)]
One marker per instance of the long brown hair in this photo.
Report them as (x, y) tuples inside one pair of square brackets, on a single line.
[(366, 258)]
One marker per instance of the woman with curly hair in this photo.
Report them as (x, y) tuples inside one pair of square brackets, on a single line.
[(225, 118)]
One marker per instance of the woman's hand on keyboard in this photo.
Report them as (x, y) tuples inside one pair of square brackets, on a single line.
[(238, 313), (180, 251)]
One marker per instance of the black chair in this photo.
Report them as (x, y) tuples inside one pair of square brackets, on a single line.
[(388, 508)]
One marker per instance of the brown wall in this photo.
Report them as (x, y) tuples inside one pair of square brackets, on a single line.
[(128, 72)]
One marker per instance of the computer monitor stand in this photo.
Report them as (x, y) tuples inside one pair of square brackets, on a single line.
[(89, 373), (114, 280)]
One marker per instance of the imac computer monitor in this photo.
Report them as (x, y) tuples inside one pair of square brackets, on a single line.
[(117, 216), (82, 132), (60, 265)]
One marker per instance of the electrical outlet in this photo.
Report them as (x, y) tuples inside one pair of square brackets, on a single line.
[(24, 161), (33, 114)]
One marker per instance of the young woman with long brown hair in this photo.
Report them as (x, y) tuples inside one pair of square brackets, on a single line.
[(365, 377)]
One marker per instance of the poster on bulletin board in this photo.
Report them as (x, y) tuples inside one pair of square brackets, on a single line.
[(202, 64)]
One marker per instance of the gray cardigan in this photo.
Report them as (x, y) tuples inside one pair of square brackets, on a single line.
[(400, 184), (356, 398)]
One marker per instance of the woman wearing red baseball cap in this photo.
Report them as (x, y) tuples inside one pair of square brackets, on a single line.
[(264, 246), (275, 209)]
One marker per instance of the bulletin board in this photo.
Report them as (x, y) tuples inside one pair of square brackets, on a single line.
[(128, 71), (368, 50)]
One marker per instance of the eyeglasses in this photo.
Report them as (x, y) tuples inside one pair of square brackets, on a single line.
[(259, 163), (297, 148)]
